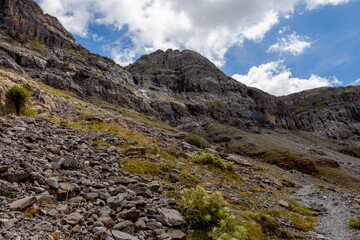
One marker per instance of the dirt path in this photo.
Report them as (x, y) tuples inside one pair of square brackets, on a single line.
[(336, 208)]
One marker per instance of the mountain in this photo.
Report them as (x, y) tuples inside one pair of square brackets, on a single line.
[(104, 152)]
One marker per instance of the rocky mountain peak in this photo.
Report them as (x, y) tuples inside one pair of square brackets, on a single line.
[(25, 17), (171, 59)]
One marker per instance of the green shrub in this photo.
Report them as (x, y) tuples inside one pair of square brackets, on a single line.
[(354, 223), (211, 160), (30, 112), (210, 213), (19, 96), (228, 230), (195, 140)]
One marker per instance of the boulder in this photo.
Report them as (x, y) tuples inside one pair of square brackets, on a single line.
[(22, 204)]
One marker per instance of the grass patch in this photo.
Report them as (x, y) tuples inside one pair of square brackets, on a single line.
[(143, 167), (194, 140), (7, 194), (30, 112), (354, 223), (340, 177), (19, 96), (215, 161)]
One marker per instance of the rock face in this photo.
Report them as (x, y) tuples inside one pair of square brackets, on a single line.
[(26, 17), (333, 112)]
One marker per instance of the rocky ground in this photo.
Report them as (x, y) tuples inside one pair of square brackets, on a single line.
[(58, 182), (55, 182)]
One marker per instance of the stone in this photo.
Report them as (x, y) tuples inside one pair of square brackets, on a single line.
[(65, 190), (52, 182), (284, 204), (15, 177), (107, 221), (140, 224), (135, 152), (74, 218), (6, 224), (130, 214), (116, 200), (123, 225), (178, 235), (22, 204), (122, 236), (171, 217), (92, 196)]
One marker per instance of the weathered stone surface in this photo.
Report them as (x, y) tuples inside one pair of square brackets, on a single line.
[(22, 204), (73, 218), (135, 151), (122, 236), (178, 235), (107, 221), (15, 177), (172, 217)]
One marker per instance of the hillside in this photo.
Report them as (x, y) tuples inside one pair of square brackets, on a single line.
[(102, 151)]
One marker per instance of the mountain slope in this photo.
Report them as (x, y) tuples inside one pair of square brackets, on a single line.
[(104, 157)]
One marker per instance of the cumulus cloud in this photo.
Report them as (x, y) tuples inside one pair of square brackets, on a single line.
[(276, 78), (208, 27), (354, 83), (293, 44), (312, 4)]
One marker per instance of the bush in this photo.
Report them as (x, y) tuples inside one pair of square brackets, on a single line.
[(354, 223), (216, 161), (19, 96), (209, 213), (195, 140)]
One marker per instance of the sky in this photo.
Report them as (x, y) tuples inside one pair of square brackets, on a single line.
[(279, 46)]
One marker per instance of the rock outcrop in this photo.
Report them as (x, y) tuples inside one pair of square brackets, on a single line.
[(25, 17)]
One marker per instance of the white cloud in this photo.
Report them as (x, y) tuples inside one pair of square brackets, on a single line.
[(312, 4), (96, 37), (276, 78), (293, 44), (356, 82), (209, 27)]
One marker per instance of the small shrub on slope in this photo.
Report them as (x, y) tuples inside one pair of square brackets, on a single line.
[(19, 96), (195, 140), (209, 213), (216, 161)]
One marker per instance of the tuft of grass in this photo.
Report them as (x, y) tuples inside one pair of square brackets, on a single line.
[(354, 223), (112, 214), (30, 112), (194, 140), (31, 213), (143, 167), (215, 161), (7, 194)]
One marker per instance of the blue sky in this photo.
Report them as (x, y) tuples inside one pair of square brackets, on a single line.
[(280, 46)]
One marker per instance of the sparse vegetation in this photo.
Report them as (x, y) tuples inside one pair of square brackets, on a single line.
[(354, 223), (215, 161), (7, 194), (19, 96), (195, 140), (143, 167), (210, 214), (30, 112)]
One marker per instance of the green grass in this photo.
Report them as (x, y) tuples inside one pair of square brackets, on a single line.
[(194, 140), (30, 112), (215, 161), (7, 194), (143, 167), (354, 223)]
